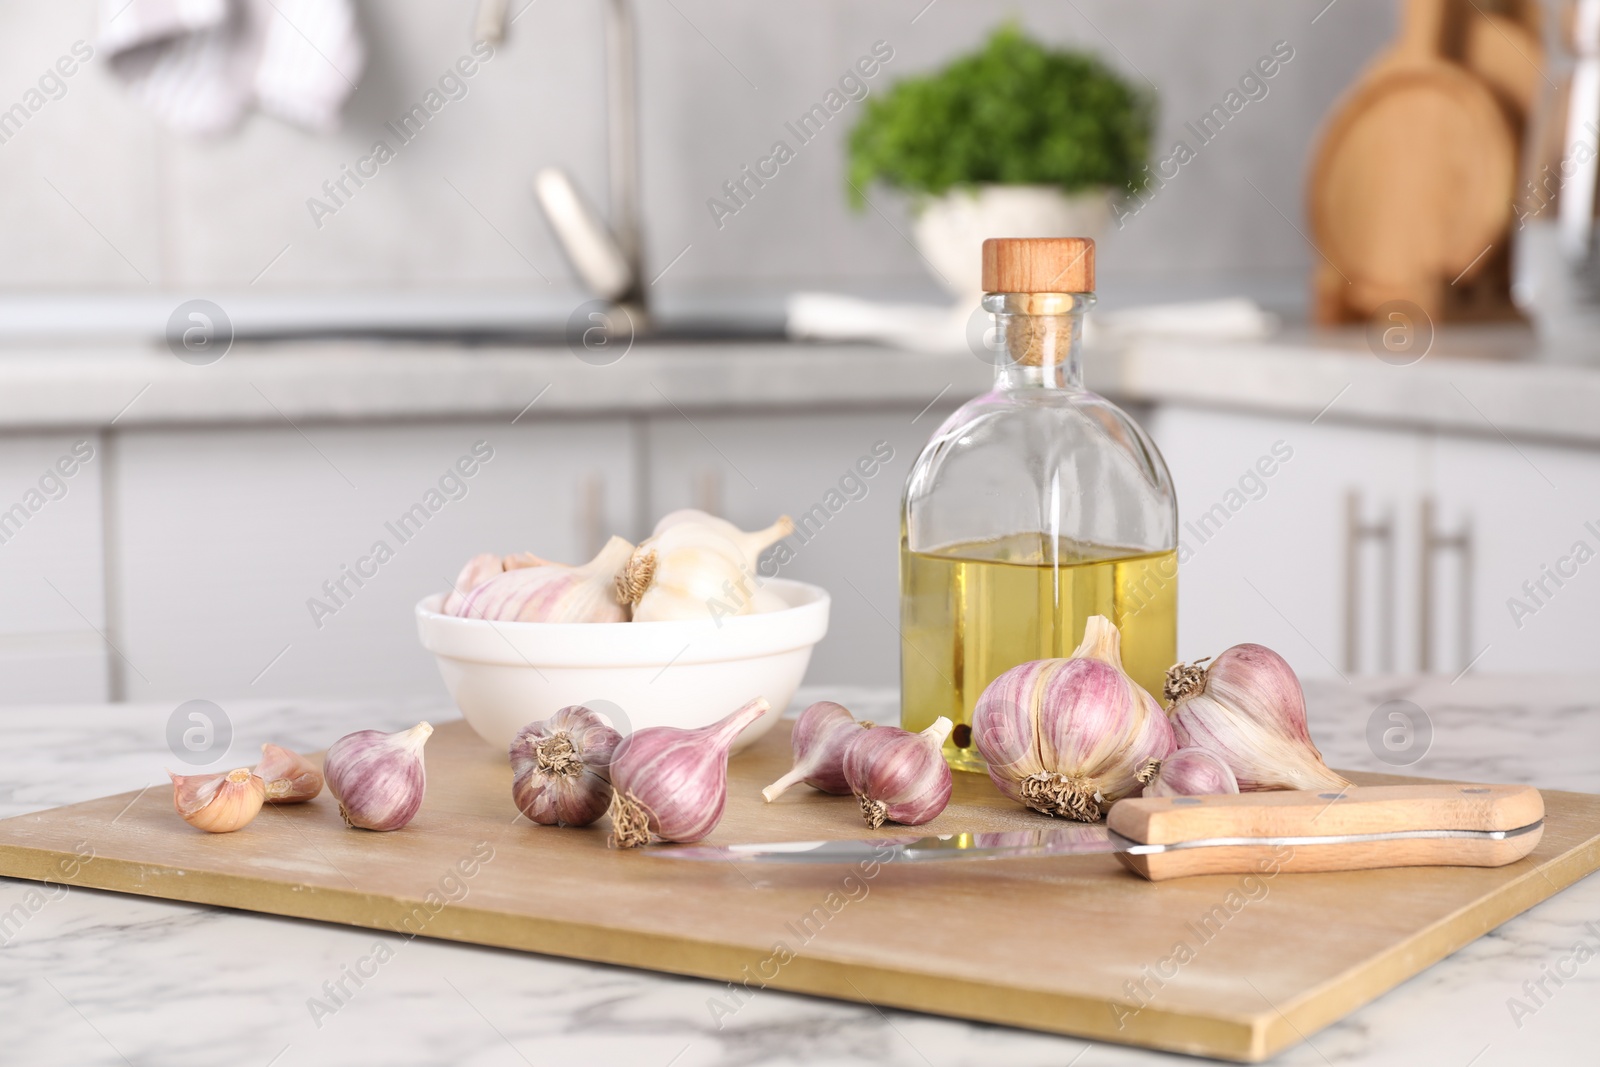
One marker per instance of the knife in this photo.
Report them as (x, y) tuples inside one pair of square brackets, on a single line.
[(1356, 828)]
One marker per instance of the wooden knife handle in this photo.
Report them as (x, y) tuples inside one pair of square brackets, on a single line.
[(1330, 813)]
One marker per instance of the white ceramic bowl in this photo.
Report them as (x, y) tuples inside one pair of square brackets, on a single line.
[(504, 675)]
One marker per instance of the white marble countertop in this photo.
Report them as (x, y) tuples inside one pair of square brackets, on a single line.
[(1485, 381), (88, 977)]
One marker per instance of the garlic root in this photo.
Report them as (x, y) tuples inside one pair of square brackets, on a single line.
[(1063, 795)]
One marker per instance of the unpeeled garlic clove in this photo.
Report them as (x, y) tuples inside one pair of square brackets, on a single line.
[(1188, 772), (674, 783), (899, 776), (218, 803), (687, 571), (290, 778), (378, 778), (821, 734), (1068, 737), (1248, 709), (561, 767), (751, 543), (551, 592)]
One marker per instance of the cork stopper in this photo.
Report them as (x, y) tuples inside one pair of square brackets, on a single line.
[(1038, 265)]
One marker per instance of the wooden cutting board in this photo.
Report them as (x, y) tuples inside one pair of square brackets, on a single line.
[(1413, 179), (1070, 945)]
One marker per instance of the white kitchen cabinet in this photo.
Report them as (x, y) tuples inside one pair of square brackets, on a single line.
[(1531, 519), (52, 576), (1448, 530), (753, 468), (1269, 556), (230, 539)]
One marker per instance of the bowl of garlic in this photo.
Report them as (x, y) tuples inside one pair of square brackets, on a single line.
[(676, 631)]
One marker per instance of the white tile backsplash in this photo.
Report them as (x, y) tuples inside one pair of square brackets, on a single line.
[(80, 168), (718, 80)]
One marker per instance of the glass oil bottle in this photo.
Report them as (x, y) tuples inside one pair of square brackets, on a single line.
[(1034, 506)]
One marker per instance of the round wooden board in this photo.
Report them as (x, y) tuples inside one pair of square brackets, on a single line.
[(1413, 178)]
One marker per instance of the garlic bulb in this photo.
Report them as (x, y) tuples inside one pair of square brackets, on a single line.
[(552, 592), (820, 735), (1248, 709), (1069, 736), (478, 569), (378, 778), (218, 803), (752, 544), (290, 778), (561, 766), (687, 571), (674, 783), (1188, 772), (899, 776)]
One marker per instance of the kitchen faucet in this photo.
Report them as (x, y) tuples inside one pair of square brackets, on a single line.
[(608, 259)]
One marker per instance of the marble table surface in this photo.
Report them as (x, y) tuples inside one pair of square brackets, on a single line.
[(89, 978)]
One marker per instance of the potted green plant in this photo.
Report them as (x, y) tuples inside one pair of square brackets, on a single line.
[(1013, 140)]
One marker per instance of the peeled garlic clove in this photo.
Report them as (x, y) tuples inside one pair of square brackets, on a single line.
[(554, 593), (1188, 772), (899, 776), (821, 734), (752, 544), (674, 783), (290, 778), (1068, 737), (1247, 708), (687, 571), (218, 803), (378, 778), (560, 768)]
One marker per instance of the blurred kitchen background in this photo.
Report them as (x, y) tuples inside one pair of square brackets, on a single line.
[(381, 328)]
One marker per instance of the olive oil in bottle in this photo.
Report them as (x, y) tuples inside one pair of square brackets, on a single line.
[(1034, 506), (973, 611)]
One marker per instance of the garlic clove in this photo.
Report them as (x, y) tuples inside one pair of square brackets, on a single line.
[(1247, 708), (751, 543), (1188, 772), (674, 783), (519, 560), (561, 768), (218, 803), (378, 778), (1068, 737), (290, 778), (688, 571), (554, 593), (899, 776), (821, 734)]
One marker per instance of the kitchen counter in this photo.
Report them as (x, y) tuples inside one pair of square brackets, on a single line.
[(99, 978), (1489, 381)]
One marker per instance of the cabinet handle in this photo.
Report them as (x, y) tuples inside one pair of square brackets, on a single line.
[(1356, 534), (1431, 542), (591, 514)]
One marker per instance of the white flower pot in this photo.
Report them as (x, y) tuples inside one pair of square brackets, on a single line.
[(950, 229)]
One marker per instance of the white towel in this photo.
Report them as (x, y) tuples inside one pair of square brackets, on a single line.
[(201, 64)]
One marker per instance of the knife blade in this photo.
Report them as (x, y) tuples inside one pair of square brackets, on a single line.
[(1166, 837)]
